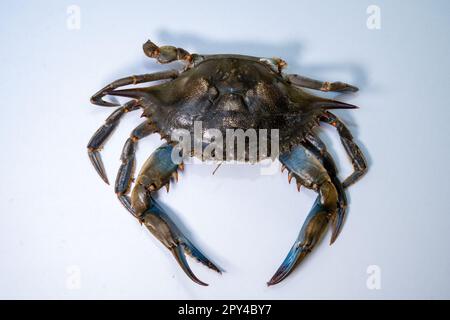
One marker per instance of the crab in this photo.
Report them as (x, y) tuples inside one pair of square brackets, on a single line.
[(228, 91)]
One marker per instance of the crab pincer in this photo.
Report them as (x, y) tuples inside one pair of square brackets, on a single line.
[(310, 172), (156, 173)]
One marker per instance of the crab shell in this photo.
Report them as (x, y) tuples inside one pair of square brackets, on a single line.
[(228, 92), (233, 92)]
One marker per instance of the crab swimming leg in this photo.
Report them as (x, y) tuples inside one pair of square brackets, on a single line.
[(166, 54), (103, 133), (325, 86), (314, 144), (156, 173), (308, 170), (163, 75), (354, 152)]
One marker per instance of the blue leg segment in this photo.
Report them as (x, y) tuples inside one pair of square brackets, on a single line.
[(315, 225), (319, 149), (156, 173), (310, 172)]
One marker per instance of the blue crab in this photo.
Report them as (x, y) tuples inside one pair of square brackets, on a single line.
[(228, 91)]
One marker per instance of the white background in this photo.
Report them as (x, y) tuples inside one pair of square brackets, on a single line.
[(58, 220)]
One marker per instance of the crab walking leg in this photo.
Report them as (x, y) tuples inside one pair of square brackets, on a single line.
[(325, 86), (353, 151), (319, 149), (103, 133), (166, 54), (307, 169), (156, 173), (126, 171), (163, 75)]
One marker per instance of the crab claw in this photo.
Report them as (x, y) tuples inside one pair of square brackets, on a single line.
[(102, 103), (315, 225), (157, 172), (318, 148), (159, 223), (97, 99), (312, 173), (181, 259)]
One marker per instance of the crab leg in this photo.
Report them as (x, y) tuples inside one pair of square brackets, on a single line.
[(163, 75), (156, 173), (126, 171), (318, 148), (103, 133), (308, 170), (166, 54), (354, 152), (326, 86)]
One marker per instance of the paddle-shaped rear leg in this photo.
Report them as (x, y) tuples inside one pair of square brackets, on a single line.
[(166, 54), (156, 173), (309, 171)]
